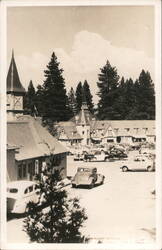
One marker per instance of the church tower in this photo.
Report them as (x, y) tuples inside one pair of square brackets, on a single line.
[(15, 92), (83, 121)]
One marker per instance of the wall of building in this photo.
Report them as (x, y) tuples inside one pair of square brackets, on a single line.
[(11, 166), (84, 131), (27, 169)]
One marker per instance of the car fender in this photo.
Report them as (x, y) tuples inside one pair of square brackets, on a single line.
[(100, 178), (20, 207), (90, 180)]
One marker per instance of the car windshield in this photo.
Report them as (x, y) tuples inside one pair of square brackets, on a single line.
[(12, 190), (84, 170)]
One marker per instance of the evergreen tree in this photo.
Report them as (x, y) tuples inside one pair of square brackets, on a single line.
[(129, 99), (108, 92), (62, 220), (145, 97), (30, 99), (119, 105), (122, 81), (88, 96), (39, 100), (72, 101), (78, 95), (55, 100)]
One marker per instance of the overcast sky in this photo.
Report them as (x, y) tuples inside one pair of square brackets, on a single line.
[(83, 38)]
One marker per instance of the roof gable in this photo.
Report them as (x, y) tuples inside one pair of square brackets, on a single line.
[(32, 139)]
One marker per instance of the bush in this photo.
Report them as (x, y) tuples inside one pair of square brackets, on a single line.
[(61, 220)]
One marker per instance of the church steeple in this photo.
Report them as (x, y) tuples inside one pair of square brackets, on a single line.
[(13, 81), (15, 91)]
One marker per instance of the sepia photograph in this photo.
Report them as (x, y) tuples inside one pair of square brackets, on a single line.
[(80, 125)]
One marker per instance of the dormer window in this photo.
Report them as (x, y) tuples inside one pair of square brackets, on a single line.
[(145, 130), (127, 129)]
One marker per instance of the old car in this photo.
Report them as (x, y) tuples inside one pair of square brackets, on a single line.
[(19, 194), (116, 153), (87, 177), (78, 157), (99, 155), (138, 163)]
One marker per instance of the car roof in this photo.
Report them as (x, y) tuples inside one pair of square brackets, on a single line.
[(20, 184)]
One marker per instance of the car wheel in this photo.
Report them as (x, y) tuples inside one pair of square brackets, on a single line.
[(102, 182), (27, 209), (73, 185), (124, 168), (91, 185), (149, 168), (106, 159)]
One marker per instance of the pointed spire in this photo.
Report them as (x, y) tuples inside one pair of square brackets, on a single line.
[(13, 81), (12, 53)]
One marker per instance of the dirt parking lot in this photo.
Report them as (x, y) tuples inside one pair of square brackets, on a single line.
[(121, 210)]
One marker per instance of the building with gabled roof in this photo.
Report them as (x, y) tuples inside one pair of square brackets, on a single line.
[(94, 131), (35, 144), (125, 131), (68, 134)]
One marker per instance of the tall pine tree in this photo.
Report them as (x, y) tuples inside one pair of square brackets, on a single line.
[(108, 92), (72, 101), (78, 95), (30, 100), (88, 96), (54, 93), (145, 97), (39, 103)]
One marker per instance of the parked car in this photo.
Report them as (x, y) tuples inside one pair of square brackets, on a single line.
[(87, 176), (99, 155), (19, 194), (78, 157), (116, 153), (138, 163)]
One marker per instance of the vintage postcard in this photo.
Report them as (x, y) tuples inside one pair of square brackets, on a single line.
[(80, 124)]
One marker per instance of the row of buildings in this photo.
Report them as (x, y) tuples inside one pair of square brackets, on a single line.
[(29, 145), (84, 129)]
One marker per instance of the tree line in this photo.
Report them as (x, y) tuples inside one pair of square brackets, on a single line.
[(119, 98)]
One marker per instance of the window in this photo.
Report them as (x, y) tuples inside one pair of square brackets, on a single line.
[(127, 129), (24, 170), (26, 191), (36, 166), (145, 130), (110, 140), (12, 190), (31, 170), (31, 189), (82, 132), (20, 171)]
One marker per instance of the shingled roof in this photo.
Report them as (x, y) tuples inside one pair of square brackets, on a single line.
[(13, 80), (32, 139), (132, 125)]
